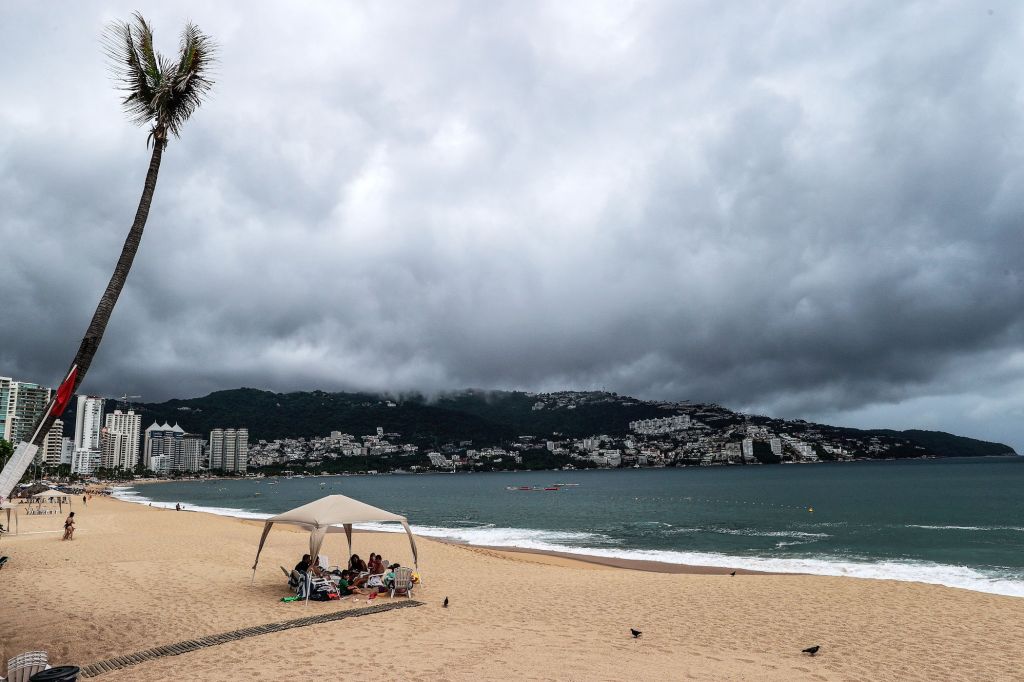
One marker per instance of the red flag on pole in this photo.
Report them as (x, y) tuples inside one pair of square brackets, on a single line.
[(64, 393)]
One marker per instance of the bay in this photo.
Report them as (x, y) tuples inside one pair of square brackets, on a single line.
[(956, 522)]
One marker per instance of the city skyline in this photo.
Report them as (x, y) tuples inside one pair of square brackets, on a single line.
[(814, 215)]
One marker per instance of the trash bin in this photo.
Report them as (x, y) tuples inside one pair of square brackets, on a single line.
[(62, 673)]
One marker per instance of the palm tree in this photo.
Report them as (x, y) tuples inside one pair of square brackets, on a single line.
[(161, 93)]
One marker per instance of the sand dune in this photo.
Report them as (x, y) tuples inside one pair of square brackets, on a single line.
[(137, 577)]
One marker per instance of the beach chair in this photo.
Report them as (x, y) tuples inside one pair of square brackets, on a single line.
[(403, 582), (296, 581), (23, 666)]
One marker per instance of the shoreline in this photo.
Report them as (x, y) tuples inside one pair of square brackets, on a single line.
[(948, 576), (512, 614), (644, 565)]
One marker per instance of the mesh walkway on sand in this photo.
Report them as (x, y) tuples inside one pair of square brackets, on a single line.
[(128, 660)]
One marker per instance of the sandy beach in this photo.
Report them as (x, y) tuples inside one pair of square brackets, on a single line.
[(137, 577)]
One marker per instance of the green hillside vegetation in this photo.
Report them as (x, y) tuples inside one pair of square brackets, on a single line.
[(492, 418)]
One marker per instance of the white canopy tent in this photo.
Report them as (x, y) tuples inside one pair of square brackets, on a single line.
[(52, 492), (61, 498), (332, 514)]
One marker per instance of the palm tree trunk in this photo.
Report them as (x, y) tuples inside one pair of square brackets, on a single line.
[(94, 334)]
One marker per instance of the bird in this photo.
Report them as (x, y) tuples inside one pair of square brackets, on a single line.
[(811, 650), (445, 604), (733, 573), (636, 633)]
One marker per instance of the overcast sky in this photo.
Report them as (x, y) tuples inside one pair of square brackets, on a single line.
[(806, 210)]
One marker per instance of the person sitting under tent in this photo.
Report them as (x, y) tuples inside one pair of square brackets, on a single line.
[(346, 585)]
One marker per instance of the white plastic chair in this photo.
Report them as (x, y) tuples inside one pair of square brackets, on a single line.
[(403, 582), (23, 666)]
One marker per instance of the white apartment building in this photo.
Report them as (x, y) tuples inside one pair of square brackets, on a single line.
[(89, 423), (67, 450), (160, 464), (776, 445), (121, 440), (5, 396), (193, 448), (654, 427), (113, 448), (53, 444), (748, 449), (162, 440), (25, 403), (85, 461), (229, 449)]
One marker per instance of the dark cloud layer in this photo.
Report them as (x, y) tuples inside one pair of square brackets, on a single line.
[(802, 210)]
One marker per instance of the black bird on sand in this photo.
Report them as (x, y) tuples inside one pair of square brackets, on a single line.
[(445, 604), (636, 633), (811, 650), (733, 573)]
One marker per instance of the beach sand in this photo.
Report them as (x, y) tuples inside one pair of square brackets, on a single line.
[(136, 577)]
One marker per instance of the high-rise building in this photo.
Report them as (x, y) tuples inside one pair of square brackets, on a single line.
[(748, 449), (121, 440), (85, 461), (162, 441), (112, 452), (192, 448), (67, 450), (26, 402), (53, 444), (160, 464), (5, 396), (89, 422), (229, 449)]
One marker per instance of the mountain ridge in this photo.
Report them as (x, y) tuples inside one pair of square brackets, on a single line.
[(491, 417)]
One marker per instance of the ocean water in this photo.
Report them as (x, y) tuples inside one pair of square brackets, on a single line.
[(955, 522)]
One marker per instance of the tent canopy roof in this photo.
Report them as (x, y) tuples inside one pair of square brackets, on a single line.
[(332, 514), (333, 510), (50, 494)]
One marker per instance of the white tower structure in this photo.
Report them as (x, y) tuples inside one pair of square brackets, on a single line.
[(88, 422)]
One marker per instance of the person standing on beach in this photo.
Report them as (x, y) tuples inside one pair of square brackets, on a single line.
[(69, 527), (84, 500)]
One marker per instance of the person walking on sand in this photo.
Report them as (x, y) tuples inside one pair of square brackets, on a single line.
[(84, 501), (69, 527)]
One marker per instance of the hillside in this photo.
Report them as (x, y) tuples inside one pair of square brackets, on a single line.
[(496, 417)]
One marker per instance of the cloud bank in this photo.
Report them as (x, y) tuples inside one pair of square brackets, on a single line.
[(799, 210)]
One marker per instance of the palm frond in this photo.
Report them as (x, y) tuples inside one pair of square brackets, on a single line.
[(160, 91)]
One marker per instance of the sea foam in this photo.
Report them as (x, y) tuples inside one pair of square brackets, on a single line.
[(590, 544)]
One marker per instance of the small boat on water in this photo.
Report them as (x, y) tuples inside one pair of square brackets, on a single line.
[(530, 488), (567, 485)]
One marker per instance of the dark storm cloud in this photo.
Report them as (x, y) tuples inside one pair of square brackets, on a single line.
[(804, 210)]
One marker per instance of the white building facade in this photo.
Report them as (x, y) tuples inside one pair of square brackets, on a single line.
[(162, 441), (229, 450), (121, 440), (25, 403), (89, 422)]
